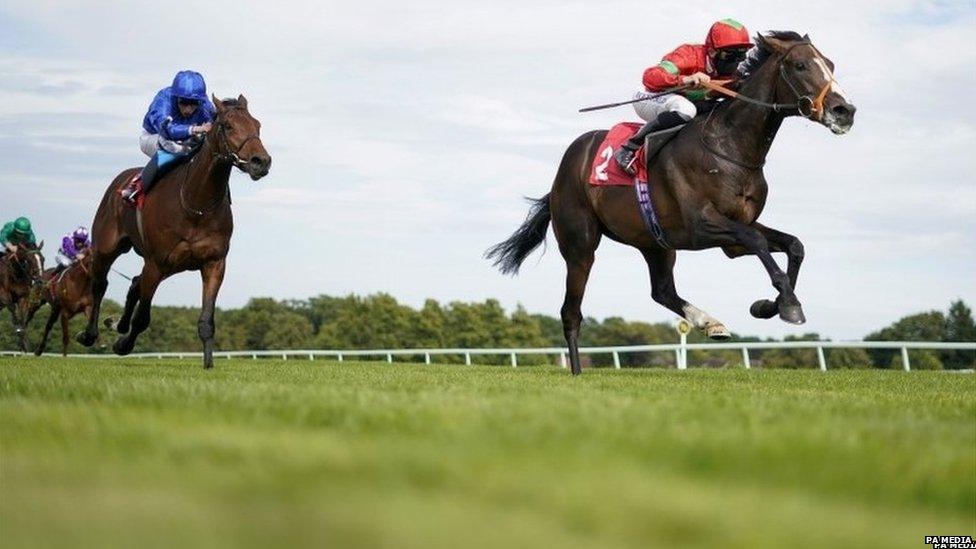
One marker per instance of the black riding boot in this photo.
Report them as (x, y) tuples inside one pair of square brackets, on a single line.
[(148, 176), (625, 155)]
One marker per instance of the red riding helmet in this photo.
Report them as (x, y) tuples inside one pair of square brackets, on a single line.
[(727, 33)]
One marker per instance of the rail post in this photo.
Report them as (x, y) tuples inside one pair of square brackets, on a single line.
[(389, 357), (426, 358), (616, 360), (339, 356), (904, 359), (683, 328), (821, 359), (514, 361), (745, 358), (562, 360), (467, 359)]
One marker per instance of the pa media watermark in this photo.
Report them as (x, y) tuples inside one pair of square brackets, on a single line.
[(950, 542)]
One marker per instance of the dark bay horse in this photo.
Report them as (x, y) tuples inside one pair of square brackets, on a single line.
[(68, 293), (708, 190), (19, 272), (186, 225)]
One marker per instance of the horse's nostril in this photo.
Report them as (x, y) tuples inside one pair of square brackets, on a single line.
[(844, 110)]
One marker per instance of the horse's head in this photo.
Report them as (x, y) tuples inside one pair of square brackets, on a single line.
[(806, 76), (28, 262), (237, 137)]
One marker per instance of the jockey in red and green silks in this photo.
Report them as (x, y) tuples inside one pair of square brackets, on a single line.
[(15, 234), (178, 118), (724, 48)]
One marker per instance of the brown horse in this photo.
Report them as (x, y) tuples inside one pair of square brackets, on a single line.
[(68, 293), (186, 225), (19, 272), (708, 190)]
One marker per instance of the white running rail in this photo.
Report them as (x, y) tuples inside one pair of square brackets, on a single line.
[(680, 351)]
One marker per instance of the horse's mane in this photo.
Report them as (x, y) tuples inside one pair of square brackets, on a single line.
[(762, 51)]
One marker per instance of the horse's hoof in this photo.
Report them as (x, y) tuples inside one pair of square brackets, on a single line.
[(86, 339), (717, 332), (764, 308), (38, 352), (121, 347), (792, 314)]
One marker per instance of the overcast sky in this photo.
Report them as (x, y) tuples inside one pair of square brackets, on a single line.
[(405, 133)]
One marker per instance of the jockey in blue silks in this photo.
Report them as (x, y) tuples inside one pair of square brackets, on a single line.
[(178, 118)]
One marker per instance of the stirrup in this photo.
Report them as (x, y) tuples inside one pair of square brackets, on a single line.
[(626, 158)]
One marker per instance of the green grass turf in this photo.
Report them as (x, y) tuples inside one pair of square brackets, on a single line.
[(140, 453)]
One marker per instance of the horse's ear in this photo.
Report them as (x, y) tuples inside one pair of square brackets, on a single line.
[(218, 104), (806, 37), (774, 45), (41, 245), (242, 101)]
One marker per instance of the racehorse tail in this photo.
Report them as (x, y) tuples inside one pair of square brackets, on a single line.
[(509, 255)]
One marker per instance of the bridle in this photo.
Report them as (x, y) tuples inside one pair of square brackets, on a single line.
[(806, 104), (223, 143)]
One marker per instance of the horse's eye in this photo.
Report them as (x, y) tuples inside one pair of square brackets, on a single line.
[(800, 66)]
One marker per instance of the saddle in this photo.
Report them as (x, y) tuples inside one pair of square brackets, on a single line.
[(605, 169), (159, 167)]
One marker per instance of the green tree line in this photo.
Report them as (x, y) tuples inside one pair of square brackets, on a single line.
[(379, 321)]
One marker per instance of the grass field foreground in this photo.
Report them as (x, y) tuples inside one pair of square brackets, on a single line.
[(122, 453)]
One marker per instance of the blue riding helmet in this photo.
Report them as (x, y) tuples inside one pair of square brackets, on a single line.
[(189, 85)]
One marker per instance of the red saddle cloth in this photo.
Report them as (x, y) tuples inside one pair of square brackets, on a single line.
[(605, 170)]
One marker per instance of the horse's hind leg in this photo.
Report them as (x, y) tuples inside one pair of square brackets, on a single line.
[(19, 327), (578, 233), (660, 263), (212, 275), (148, 282)]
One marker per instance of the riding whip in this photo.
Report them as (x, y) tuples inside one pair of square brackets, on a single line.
[(611, 105)]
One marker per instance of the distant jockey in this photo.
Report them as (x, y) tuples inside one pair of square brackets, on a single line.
[(724, 48), (16, 233), (74, 248), (174, 126)]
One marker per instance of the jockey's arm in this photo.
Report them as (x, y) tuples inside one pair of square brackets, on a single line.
[(671, 71)]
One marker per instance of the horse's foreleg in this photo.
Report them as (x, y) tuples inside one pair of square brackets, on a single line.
[(212, 275), (717, 230), (47, 330), (793, 248), (148, 282), (19, 327), (660, 263), (101, 263)]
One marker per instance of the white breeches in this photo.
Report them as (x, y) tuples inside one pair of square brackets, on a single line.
[(650, 109)]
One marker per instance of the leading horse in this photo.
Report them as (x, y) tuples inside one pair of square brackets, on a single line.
[(708, 189), (185, 225)]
